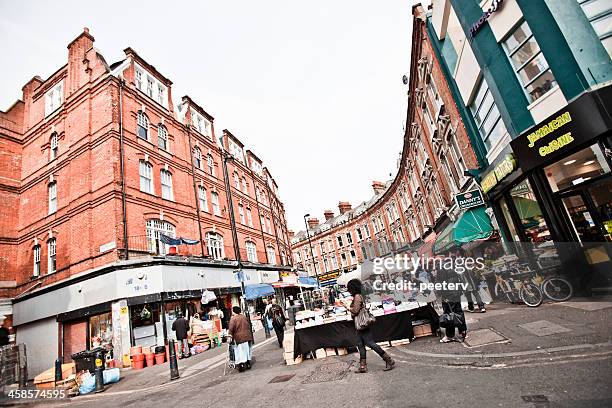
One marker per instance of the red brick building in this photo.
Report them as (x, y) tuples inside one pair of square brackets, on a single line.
[(412, 209), (99, 169)]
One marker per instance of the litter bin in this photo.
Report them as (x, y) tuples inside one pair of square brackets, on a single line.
[(86, 360)]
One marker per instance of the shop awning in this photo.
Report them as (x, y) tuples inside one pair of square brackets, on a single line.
[(472, 225), (258, 290), (307, 282)]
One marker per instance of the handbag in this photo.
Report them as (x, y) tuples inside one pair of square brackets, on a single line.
[(364, 318), (451, 319)]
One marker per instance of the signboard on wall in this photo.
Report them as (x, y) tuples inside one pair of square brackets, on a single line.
[(469, 199)]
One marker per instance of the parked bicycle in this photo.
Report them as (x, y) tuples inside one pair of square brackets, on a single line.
[(518, 288)]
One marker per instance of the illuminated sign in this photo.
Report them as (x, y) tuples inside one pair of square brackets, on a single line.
[(485, 16), (500, 172)]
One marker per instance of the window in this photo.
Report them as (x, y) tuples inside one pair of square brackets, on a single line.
[(143, 126), (262, 222), (271, 255), (150, 87), (599, 13), (353, 256), (268, 227), (197, 158), (36, 253), (487, 116), (241, 214), (349, 238), (54, 98), (236, 181), (202, 198), (249, 217), (334, 262), (251, 251), (577, 168), (456, 155), (529, 63), (52, 197), (153, 230), (161, 94), (138, 78), (343, 260), (51, 264), (146, 177), (340, 243), (153, 88), (166, 185), (214, 245), (162, 137), (211, 165), (54, 143), (244, 185), (200, 124), (214, 198), (236, 151), (359, 234)]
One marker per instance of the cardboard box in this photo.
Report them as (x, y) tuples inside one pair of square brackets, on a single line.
[(294, 362), (399, 342), (330, 351), (320, 353), (342, 351), (422, 330)]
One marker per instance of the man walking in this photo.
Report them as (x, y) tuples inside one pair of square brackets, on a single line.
[(277, 314), (181, 327)]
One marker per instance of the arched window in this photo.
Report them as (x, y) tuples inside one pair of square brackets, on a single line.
[(241, 214), (162, 137), (36, 256), (154, 228), (214, 199), (52, 189), (166, 185), (271, 255), (251, 251), (211, 165), (146, 177), (197, 157), (244, 185), (249, 217), (236, 181), (203, 199), (54, 146), (214, 244), (51, 265), (142, 130)]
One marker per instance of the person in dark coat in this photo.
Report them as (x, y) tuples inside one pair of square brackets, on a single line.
[(451, 303), (181, 327), (277, 314), (240, 332)]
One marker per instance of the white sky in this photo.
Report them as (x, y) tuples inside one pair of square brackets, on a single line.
[(312, 87)]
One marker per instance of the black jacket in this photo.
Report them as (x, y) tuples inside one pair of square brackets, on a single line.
[(181, 327)]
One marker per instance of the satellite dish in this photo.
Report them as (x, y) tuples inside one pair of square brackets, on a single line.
[(405, 79)]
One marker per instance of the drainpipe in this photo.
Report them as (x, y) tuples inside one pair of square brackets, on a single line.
[(195, 189), (122, 169), (272, 211), (263, 238)]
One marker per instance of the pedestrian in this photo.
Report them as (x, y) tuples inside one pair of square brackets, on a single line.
[(453, 317), (364, 337), (240, 333), (181, 327), (277, 314), (264, 318), (473, 289)]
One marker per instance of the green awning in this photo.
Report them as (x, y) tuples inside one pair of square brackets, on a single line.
[(472, 225)]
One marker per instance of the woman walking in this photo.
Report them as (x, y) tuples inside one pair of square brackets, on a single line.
[(365, 335), (240, 332)]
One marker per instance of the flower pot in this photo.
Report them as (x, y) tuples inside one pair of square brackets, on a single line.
[(150, 359), (135, 350), (138, 357), (138, 365), (160, 358)]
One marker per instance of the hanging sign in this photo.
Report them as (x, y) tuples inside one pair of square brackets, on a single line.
[(469, 199)]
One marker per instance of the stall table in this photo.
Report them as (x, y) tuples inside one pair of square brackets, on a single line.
[(342, 334)]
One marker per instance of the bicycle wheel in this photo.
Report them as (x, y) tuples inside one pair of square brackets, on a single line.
[(557, 289), (531, 295)]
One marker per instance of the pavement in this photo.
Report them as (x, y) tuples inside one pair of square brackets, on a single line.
[(556, 355)]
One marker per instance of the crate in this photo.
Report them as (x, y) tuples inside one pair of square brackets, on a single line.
[(422, 330), (342, 351), (330, 351), (320, 353)]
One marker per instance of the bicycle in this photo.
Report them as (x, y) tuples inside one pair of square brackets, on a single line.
[(522, 290)]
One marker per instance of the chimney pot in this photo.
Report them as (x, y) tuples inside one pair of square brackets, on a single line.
[(378, 187), (312, 222), (344, 206), (329, 214)]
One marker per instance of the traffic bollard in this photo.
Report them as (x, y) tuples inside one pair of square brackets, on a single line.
[(58, 371), (174, 372), (98, 372)]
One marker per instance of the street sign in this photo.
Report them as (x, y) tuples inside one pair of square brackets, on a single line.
[(469, 199)]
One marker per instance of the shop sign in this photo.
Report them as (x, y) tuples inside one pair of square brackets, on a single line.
[(469, 199), (485, 16), (567, 129), (500, 172), (268, 276), (328, 276)]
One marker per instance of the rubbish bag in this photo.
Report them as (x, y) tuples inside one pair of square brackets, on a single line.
[(88, 383), (112, 375)]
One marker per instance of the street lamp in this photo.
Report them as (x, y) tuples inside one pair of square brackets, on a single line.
[(311, 251)]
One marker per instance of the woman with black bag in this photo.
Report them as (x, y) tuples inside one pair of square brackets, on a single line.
[(363, 319), (453, 316)]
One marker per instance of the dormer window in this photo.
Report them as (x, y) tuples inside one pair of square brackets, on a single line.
[(148, 84), (54, 98), (200, 123), (161, 94)]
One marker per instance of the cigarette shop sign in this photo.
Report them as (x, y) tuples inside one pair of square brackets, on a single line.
[(469, 199)]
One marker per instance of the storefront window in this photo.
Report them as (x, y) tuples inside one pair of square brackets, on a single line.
[(100, 331), (504, 206), (529, 213), (584, 165)]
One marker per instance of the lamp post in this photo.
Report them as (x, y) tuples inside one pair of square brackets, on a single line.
[(311, 251)]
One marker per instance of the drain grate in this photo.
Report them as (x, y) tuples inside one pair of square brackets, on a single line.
[(281, 378), (544, 328), (328, 372), (483, 337)]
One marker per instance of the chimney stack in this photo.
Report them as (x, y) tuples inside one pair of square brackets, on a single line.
[(329, 214), (78, 64), (312, 222), (378, 187), (344, 206)]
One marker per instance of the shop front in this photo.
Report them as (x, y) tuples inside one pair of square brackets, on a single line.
[(553, 184)]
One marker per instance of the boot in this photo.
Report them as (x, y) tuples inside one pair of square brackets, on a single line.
[(363, 367), (390, 364)]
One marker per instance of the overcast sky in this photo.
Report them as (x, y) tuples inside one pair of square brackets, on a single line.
[(312, 87)]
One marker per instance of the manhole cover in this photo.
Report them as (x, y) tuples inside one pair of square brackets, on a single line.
[(328, 372), (281, 378), (544, 328), (482, 337)]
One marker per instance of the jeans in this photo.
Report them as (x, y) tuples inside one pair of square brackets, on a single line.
[(479, 302), (280, 334), (365, 339), (455, 307), (184, 347)]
